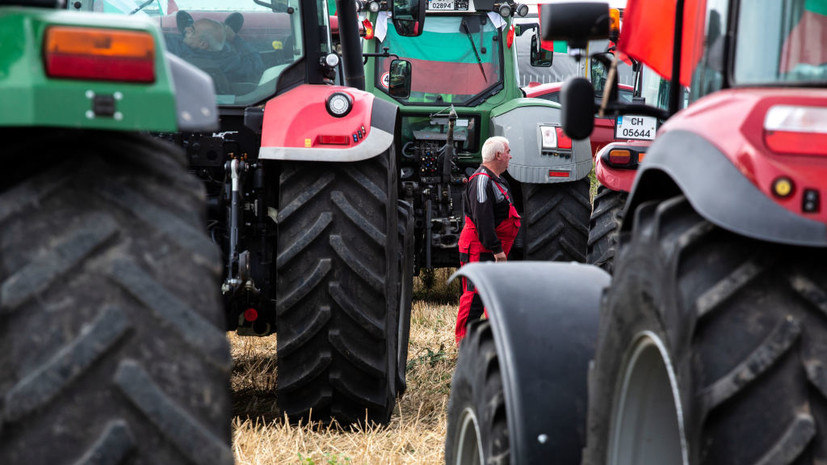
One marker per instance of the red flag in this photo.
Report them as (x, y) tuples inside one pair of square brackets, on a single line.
[(544, 44), (649, 30)]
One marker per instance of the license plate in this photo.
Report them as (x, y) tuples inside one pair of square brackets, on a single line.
[(636, 127), (440, 5), (448, 5)]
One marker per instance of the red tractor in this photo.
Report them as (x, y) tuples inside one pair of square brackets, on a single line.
[(302, 190), (709, 337), (618, 142)]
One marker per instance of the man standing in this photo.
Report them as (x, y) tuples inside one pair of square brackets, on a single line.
[(491, 223)]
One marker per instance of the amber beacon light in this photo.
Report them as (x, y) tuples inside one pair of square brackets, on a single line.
[(99, 54)]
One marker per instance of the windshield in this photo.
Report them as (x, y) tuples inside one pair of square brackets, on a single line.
[(455, 59), (781, 41), (243, 45)]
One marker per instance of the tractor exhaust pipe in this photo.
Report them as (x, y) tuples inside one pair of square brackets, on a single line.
[(351, 46)]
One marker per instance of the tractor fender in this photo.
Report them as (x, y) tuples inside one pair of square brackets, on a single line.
[(521, 124), (194, 96), (718, 191), (544, 317), (295, 122)]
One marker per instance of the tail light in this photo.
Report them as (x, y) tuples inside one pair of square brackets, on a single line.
[(563, 141), (622, 155), (99, 54), (554, 138), (796, 130), (251, 314), (334, 139)]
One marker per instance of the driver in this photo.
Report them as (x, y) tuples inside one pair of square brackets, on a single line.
[(207, 40)]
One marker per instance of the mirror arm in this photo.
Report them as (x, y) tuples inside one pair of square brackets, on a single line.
[(384, 54)]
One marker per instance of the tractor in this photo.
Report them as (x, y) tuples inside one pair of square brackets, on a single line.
[(619, 143), (112, 349), (302, 194), (463, 87), (704, 347)]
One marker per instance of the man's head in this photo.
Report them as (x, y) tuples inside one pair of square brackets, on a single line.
[(205, 34), (496, 153)]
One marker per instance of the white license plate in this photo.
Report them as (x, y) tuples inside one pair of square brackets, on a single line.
[(636, 127), (440, 5)]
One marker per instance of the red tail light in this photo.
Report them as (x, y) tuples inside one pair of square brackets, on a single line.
[(99, 54), (805, 143), (334, 140), (563, 141), (251, 314), (620, 157)]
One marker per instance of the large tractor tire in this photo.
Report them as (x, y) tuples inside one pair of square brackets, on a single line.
[(604, 227), (337, 298), (405, 289), (710, 349), (113, 348), (477, 423), (555, 221)]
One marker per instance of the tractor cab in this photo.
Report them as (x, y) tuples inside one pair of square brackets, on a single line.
[(463, 87)]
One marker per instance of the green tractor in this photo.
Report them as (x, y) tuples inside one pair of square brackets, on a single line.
[(462, 88), (111, 349)]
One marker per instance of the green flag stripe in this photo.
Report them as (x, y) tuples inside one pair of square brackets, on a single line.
[(816, 6), (443, 41)]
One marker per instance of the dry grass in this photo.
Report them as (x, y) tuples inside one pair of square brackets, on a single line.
[(417, 429)]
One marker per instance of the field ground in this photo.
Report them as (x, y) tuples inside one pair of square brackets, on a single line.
[(416, 433)]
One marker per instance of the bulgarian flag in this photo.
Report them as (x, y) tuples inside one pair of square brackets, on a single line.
[(649, 30), (805, 44), (558, 47), (443, 60)]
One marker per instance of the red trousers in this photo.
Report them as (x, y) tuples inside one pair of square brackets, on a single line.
[(471, 250)]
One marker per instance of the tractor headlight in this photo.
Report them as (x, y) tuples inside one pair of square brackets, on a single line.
[(339, 104), (331, 60), (505, 10), (522, 10)]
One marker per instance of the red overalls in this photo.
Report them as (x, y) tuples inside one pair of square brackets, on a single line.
[(470, 246)]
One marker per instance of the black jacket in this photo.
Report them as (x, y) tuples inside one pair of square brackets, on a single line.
[(487, 206)]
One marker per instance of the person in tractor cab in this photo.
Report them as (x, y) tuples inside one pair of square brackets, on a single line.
[(208, 43), (491, 223)]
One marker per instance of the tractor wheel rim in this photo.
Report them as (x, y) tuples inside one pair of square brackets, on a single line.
[(470, 448), (647, 418)]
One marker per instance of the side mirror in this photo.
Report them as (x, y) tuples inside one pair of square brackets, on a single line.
[(540, 57), (399, 79), (520, 29), (408, 16), (576, 22), (577, 101)]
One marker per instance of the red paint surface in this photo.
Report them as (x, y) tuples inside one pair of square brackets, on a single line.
[(614, 178), (300, 114), (741, 139)]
